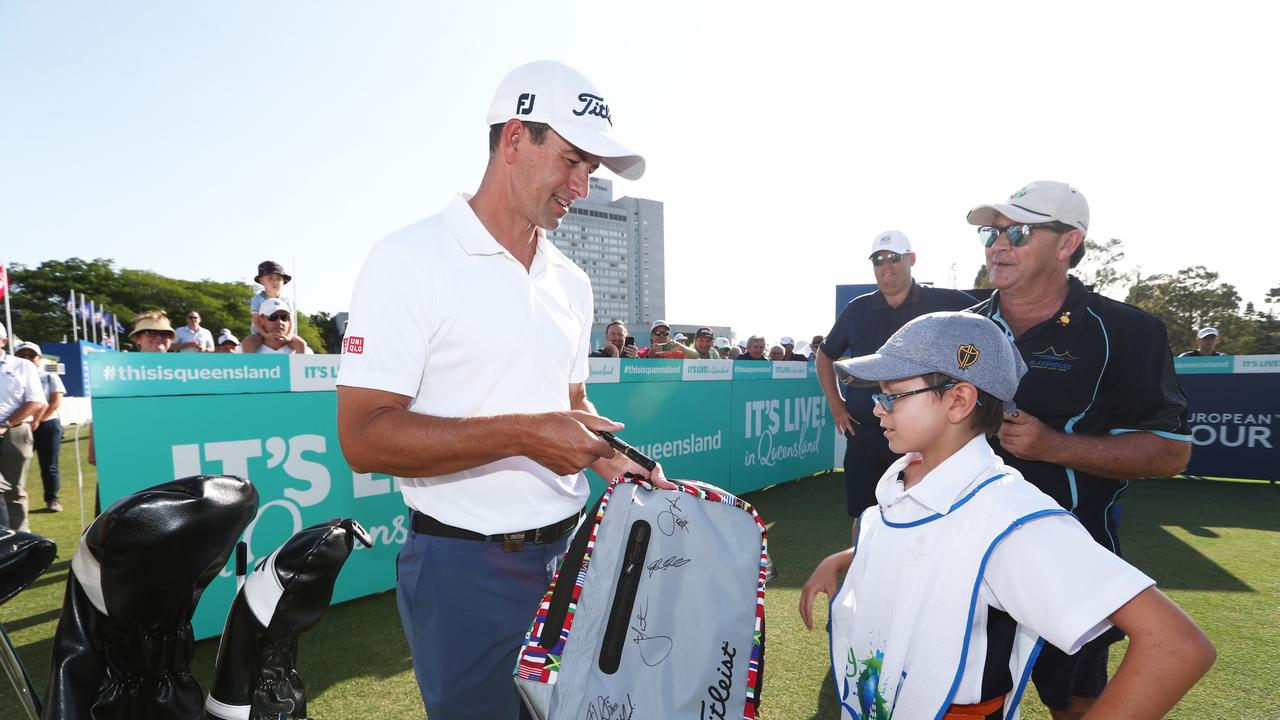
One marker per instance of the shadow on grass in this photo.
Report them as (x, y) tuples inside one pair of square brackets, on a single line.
[(807, 522)]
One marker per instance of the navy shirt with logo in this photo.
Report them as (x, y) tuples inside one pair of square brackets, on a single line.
[(1097, 367), (867, 321)]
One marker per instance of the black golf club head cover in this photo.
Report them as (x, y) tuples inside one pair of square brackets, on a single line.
[(23, 557), (124, 642), (284, 596)]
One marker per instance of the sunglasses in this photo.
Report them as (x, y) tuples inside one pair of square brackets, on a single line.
[(153, 333), (661, 333), (279, 317), (1018, 235), (892, 257), (193, 317), (885, 401)]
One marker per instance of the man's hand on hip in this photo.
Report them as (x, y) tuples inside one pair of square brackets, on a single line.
[(845, 424)]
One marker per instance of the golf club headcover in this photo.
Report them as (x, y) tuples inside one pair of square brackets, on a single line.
[(23, 557), (284, 596), (124, 642)]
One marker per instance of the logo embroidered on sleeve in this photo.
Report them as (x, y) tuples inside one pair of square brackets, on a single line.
[(353, 345)]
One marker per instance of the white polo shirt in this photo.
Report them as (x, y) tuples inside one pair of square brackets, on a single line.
[(430, 307), (185, 334), (19, 384)]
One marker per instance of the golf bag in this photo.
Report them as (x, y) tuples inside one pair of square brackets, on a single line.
[(23, 557), (657, 611), (124, 642), (284, 596)]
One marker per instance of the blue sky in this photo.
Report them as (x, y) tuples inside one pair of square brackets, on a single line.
[(197, 140)]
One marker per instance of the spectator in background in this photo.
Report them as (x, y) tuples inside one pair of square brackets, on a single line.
[(47, 427), (1206, 344), (272, 277), (615, 342), (777, 353), (704, 344), (863, 326), (191, 337), (681, 338), (813, 347), (661, 345), (789, 346), (753, 349), (723, 345), (227, 343), (277, 325), (21, 402), (152, 331), (734, 353)]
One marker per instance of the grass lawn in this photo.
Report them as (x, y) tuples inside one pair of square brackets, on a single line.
[(1212, 545)]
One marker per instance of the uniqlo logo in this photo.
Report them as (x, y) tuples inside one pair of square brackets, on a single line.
[(353, 345)]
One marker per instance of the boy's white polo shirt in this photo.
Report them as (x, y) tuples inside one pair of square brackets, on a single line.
[(445, 315), (1049, 575)]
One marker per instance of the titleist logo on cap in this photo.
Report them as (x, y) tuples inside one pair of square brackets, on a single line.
[(593, 105)]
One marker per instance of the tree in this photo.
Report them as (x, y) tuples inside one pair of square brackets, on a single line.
[(1099, 268), (327, 327), (1188, 300), (981, 281), (40, 296)]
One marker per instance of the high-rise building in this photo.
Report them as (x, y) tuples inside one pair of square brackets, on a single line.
[(619, 243)]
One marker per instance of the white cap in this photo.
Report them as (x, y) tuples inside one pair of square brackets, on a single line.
[(786, 340), (271, 306), (722, 342), (28, 345), (554, 93), (657, 324), (226, 336), (1041, 201), (742, 344), (681, 336), (891, 240), (1204, 333)]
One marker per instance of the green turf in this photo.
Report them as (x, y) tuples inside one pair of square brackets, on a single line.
[(1212, 545)]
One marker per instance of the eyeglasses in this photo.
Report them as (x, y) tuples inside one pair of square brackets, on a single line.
[(662, 333), (279, 317), (886, 401), (193, 317), (1018, 235), (893, 257)]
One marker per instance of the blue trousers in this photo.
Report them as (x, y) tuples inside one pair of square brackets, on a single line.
[(48, 441), (465, 606)]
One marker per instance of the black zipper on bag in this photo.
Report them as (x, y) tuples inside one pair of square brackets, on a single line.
[(624, 597)]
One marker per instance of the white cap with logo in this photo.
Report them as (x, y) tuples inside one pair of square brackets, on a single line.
[(892, 241), (1039, 202), (1206, 332), (553, 93), (271, 306)]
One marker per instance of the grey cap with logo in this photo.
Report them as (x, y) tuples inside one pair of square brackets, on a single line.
[(551, 92), (962, 345)]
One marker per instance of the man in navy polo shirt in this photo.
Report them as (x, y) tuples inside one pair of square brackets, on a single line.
[(1100, 404), (863, 326)]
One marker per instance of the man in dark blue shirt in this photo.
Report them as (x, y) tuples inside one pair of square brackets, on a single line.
[(1100, 403), (863, 326)]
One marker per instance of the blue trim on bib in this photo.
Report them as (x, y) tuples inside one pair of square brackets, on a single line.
[(1068, 428), (935, 516), (1158, 433), (1026, 675), (973, 598)]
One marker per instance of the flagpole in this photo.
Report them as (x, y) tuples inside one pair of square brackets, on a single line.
[(8, 290), (75, 329)]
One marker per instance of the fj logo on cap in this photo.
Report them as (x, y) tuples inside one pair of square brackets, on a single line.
[(593, 105), (967, 355), (885, 239), (524, 104)]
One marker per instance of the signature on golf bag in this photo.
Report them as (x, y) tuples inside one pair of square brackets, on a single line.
[(657, 611)]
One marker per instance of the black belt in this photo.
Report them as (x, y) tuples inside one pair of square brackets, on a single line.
[(511, 542)]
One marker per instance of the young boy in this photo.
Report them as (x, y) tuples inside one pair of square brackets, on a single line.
[(272, 277), (963, 569)]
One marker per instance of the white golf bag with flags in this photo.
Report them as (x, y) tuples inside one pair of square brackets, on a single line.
[(657, 611)]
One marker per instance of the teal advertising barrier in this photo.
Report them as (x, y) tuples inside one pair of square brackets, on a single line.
[(271, 418)]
